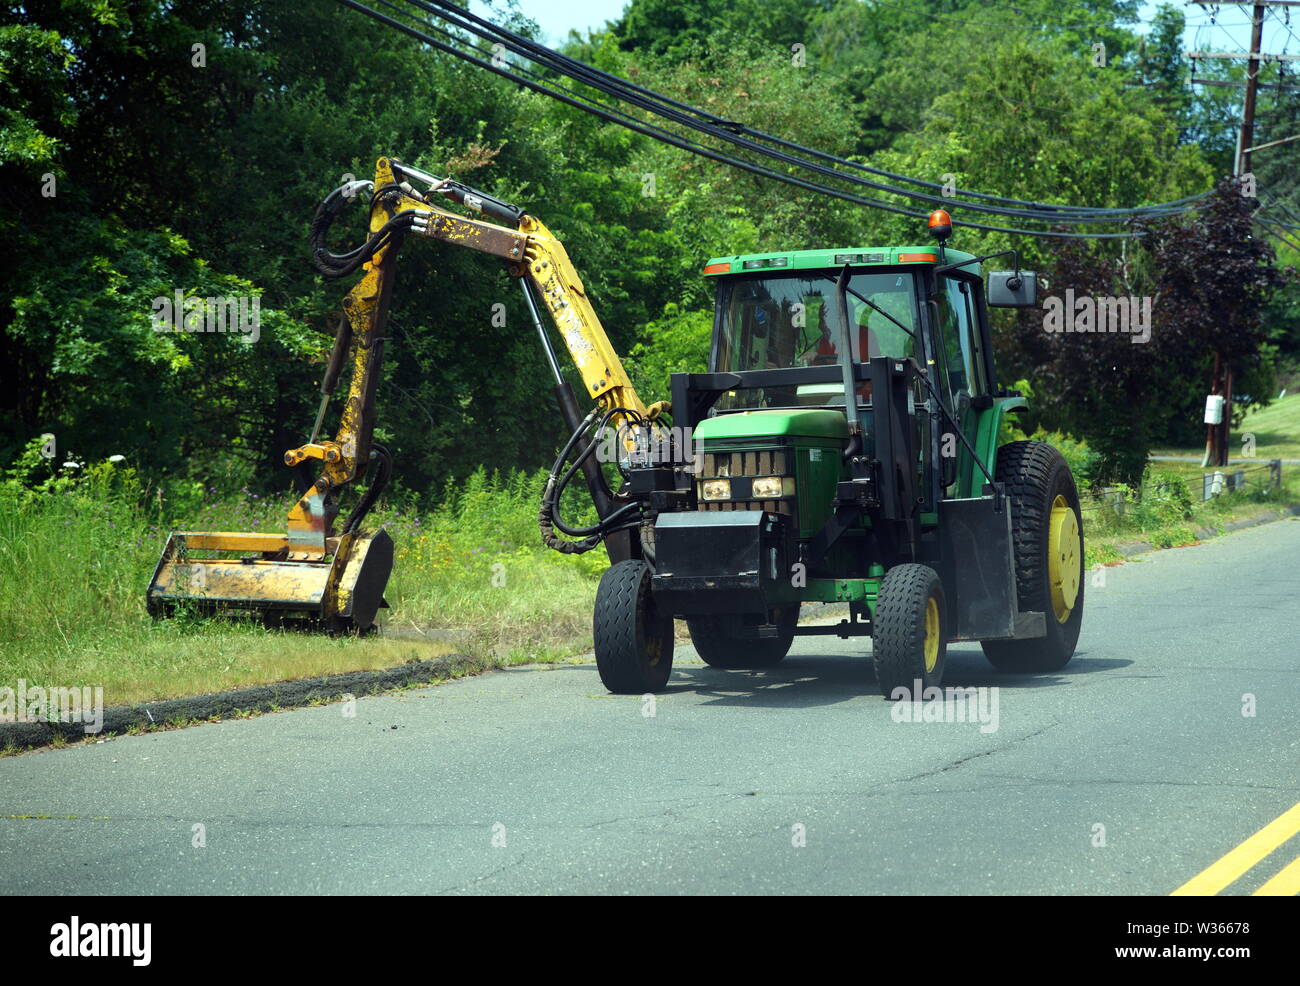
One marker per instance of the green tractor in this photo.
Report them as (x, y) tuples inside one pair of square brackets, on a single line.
[(843, 448)]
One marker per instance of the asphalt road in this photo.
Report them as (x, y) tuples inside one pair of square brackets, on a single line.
[(797, 780)]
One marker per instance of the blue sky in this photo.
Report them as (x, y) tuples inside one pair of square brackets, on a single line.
[(1230, 29), (556, 17)]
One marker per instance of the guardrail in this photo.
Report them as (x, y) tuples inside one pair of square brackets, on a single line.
[(1267, 475)]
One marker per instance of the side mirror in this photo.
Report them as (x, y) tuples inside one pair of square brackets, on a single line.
[(1012, 289)]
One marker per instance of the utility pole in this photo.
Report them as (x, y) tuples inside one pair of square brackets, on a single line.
[(1252, 81), (1217, 434)]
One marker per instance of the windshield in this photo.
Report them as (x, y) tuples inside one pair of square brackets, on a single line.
[(792, 320)]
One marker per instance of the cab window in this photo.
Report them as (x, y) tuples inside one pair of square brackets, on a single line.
[(958, 340), (780, 321)]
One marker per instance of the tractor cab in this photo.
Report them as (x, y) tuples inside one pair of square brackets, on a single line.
[(776, 320), (782, 312)]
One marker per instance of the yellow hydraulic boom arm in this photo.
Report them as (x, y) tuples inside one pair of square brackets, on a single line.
[(341, 578), (530, 252)]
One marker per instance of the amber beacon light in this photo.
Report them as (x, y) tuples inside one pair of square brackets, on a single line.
[(940, 224)]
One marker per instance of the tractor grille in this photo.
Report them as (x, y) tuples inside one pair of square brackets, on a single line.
[(749, 465)]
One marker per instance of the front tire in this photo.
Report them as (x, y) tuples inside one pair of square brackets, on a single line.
[(633, 640), (722, 642), (909, 635), (1047, 546)]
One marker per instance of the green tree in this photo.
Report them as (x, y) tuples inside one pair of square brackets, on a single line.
[(1211, 281), (678, 29)]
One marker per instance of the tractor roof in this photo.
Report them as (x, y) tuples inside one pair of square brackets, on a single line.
[(833, 259)]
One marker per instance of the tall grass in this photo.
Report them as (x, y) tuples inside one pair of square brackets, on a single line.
[(1167, 510), (476, 563), (77, 553)]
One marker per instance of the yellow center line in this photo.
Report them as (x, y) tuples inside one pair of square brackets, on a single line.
[(1219, 874), (1285, 884)]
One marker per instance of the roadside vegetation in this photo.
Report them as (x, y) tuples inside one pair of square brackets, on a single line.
[(1167, 511), (186, 430), (78, 548)]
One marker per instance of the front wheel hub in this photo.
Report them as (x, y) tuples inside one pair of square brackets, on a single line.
[(931, 634), (1063, 548)]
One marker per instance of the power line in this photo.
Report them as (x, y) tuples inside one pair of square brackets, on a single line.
[(1273, 230), (649, 130), (619, 88), (1222, 83), (1255, 60), (1252, 55), (712, 125), (1286, 26)]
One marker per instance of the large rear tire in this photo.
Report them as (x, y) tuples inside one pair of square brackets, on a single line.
[(1047, 545), (909, 631), (633, 640), (727, 640)]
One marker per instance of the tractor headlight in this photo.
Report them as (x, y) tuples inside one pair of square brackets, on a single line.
[(767, 488), (715, 489)]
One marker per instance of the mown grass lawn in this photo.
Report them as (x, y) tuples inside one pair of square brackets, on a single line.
[(1276, 429)]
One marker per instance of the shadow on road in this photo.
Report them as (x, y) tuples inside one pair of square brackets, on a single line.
[(807, 680)]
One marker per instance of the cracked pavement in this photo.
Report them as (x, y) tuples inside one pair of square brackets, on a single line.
[(534, 780)]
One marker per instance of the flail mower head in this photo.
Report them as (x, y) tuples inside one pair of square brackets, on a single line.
[(340, 589)]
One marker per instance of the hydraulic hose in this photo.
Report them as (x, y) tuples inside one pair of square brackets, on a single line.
[(342, 264), (380, 479), (548, 517)]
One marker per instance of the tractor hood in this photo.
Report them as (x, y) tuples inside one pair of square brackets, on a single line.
[(797, 423)]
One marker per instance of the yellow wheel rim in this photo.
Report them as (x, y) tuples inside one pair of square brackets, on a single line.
[(1064, 546), (931, 634)]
